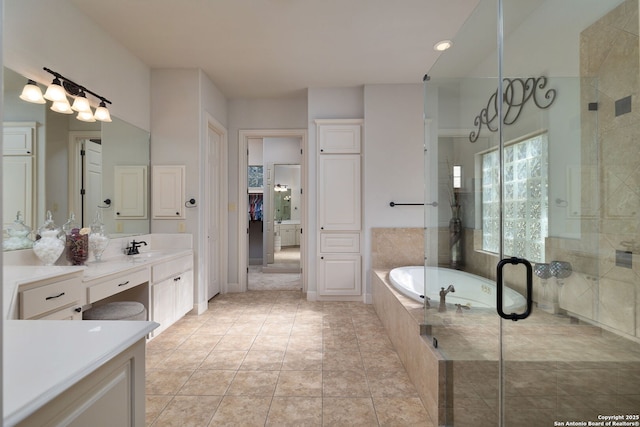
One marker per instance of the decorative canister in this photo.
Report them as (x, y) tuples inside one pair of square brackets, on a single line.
[(98, 240), (77, 241), (49, 243), (18, 234)]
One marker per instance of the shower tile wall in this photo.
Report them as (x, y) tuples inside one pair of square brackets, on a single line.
[(609, 64)]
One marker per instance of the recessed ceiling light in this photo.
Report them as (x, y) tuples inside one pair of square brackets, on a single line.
[(442, 45)]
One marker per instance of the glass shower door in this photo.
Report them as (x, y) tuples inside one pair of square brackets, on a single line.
[(549, 211)]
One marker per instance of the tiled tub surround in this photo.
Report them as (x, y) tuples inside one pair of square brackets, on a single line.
[(581, 372)]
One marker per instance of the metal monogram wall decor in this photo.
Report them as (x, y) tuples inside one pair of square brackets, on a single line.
[(517, 92)]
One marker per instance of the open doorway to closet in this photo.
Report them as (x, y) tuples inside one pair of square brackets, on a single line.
[(273, 250)]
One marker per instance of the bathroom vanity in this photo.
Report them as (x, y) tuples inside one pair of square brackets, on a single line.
[(88, 372)]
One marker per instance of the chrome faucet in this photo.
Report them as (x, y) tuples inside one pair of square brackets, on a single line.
[(443, 294), (133, 249)]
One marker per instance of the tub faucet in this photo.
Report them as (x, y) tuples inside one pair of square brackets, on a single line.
[(443, 294)]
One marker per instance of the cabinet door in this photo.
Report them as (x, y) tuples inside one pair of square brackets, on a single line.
[(339, 192), (184, 293), (18, 140), (17, 189), (130, 192), (168, 184), (339, 138), (339, 275), (164, 297)]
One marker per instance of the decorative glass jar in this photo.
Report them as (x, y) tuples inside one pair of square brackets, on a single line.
[(98, 240), (77, 241), (48, 245), (18, 233)]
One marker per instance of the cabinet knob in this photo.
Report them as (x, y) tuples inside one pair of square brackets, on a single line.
[(77, 309), (175, 279), (177, 213), (117, 213), (321, 257), (321, 228), (322, 150)]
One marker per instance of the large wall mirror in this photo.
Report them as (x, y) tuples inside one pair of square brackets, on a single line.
[(73, 167)]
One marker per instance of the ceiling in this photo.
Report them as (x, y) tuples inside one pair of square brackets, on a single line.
[(278, 48)]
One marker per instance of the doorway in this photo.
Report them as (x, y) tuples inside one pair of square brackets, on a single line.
[(272, 209), (85, 175)]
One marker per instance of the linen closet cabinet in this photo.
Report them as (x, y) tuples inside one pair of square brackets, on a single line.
[(339, 208)]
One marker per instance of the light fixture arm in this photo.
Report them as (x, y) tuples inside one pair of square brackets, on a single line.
[(74, 88)]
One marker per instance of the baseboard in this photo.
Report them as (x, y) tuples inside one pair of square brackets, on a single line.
[(312, 296), (234, 287), (368, 299)]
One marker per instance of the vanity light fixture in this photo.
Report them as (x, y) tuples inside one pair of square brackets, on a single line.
[(32, 93), (55, 91), (62, 107), (81, 103), (61, 88), (443, 45), (102, 113)]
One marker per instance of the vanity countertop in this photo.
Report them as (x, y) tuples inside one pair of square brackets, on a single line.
[(14, 276), (43, 358)]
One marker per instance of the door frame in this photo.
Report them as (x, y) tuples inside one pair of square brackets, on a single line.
[(243, 221), (211, 124), (74, 184)]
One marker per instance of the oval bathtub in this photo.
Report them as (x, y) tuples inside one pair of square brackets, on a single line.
[(472, 290)]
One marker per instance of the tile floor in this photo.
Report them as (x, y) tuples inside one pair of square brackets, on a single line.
[(271, 358)]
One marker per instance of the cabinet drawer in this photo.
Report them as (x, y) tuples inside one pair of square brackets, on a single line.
[(340, 242), (37, 301), (171, 268), (116, 284)]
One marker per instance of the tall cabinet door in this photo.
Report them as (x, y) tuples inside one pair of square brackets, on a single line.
[(339, 191), (339, 209)]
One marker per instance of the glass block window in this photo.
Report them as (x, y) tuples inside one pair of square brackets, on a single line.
[(525, 207)]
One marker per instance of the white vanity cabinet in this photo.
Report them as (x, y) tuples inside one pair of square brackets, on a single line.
[(171, 291), (56, 298), (287, 233), (339, 209)]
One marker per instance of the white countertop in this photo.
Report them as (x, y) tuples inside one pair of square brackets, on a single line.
[(15, 275), (43, 358)]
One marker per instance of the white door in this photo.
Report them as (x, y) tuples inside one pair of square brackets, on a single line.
[(213, 235), (92, 178), (17, 189)]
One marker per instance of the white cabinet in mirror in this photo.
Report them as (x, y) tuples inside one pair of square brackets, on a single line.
[(62, 147)]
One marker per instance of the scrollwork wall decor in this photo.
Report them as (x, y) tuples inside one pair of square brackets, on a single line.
[(517, 92)]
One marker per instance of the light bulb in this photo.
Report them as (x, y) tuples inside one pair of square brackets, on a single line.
[(86, 116), (55, 91), (102, 113), (32, 93), (62, 107), (81, 103)]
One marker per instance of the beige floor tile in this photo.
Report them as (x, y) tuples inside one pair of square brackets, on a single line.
[(253, 383), (305, 343), (245, 328), (384, 360), (154, 406), (184, 359), (259, 360), (241, 411), (299, 383), (162, 381), (336, 360), (207, 382), (270, 342), (166, 341), (353, 412), (302, 361), (394, 412), (228, 359), (295, 411), (235, 342), (200, 342), (277, 328), (345, 384), (214, 327), (390, 384), (155, 358), (188, 411)]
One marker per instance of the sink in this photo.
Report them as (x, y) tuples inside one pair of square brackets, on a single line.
[(147, 255)]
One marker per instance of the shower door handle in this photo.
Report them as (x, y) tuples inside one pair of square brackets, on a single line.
[(514, 261)]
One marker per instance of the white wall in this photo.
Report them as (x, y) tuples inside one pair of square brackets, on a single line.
[(94, 60), (181, 100), (393, 160)]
